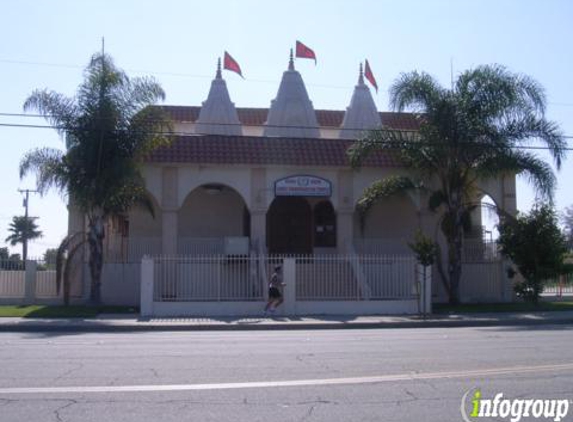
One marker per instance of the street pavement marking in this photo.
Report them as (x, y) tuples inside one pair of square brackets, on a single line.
[(292, 383)]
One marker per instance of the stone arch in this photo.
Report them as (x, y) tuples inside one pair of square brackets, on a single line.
[(192, 179), (485, 217), (209, 213), (143, 223)]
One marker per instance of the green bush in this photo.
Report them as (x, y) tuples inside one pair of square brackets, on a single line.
[(536, 246)]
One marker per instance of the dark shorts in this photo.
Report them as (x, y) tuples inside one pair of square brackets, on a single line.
[(274, 293)]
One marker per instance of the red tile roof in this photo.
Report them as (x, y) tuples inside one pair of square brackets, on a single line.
[(326, 118), (252, 150)]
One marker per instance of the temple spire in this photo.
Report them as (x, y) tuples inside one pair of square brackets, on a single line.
[(218, 75), (218, 115), (291, 113), (291, 61), (361, 114)]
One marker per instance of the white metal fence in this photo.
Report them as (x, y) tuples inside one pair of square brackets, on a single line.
[(319, 277), (563, 286), (27, 282), (207, 278), (316, 284), (355, 277), (12, 279)]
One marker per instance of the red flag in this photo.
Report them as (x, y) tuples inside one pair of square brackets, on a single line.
[(370, 76), (231, 64), (303, 52)]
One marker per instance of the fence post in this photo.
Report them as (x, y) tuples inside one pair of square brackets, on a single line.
[(425, 283), (289, 278), (30, 282), (146, 288)]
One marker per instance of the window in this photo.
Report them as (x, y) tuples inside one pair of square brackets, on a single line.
[(324, 225)]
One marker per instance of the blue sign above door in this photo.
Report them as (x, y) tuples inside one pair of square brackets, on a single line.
[(303, 185)]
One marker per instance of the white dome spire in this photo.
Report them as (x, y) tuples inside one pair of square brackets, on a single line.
[(361, 114), (218, 114), (291, 113)]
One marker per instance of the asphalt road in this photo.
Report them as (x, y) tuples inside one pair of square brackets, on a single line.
[(347, 375)]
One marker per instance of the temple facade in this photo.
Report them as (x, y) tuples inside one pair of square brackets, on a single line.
[(274, 180)]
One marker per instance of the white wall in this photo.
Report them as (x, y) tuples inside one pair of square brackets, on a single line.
[(211, 215)]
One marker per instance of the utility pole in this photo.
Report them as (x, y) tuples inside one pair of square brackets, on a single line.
[(26, 202)]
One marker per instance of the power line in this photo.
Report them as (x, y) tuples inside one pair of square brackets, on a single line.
[(156, 73), (191, 75)]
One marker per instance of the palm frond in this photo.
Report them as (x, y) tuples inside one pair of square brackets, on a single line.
[(49, 167), (493, 92), (392, 141), (59, 110), (537, 171), (385, 188), (144, 91), (65, 254), (517, 132), (416, 91)]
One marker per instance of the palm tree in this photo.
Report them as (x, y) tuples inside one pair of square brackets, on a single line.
[(23, 229), (474, 131), (108, 127)]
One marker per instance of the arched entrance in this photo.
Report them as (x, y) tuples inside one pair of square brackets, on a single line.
[(209, 214), (289, 226)]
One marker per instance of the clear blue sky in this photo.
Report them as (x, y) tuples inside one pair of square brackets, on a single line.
[(47, 44)]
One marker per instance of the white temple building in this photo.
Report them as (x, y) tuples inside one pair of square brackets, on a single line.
[(277, 180)]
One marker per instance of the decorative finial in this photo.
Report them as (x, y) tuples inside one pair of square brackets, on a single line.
[(361, 76), (291, 61), (218, 75)]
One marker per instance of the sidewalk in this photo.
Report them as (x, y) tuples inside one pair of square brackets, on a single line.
[(127, 323)]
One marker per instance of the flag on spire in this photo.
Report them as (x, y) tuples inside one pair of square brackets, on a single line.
[(370, 76), (231, 64), (303, 52)]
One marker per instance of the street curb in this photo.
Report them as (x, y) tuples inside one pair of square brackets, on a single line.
[(94, 327)]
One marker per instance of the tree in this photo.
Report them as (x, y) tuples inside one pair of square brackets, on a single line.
[(108, 128), (4, 254), (23, 229), (469, 133), (567, 219), (536, 246), (50, 257)]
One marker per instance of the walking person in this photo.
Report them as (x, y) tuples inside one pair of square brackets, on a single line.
[(275, 291)]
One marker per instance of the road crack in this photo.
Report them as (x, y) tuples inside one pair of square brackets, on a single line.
[(61, 408)]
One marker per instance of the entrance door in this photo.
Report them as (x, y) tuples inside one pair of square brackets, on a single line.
[(289, 226)]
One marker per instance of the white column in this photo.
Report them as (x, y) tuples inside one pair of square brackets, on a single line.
[(146, 288), (345, 211), (259, 227), (170, 206)]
